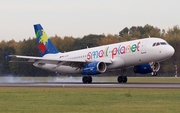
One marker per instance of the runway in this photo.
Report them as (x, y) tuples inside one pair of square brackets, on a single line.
[(92, 85)]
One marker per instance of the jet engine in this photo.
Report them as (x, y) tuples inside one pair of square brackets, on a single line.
[(152, 67), (94, 68)]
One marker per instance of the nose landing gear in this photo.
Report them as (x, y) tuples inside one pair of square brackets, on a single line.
[(154, 73)]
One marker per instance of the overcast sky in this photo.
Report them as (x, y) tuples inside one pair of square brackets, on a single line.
[(78, 18)]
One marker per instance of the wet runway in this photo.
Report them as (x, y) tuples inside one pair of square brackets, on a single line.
[(92, 85)]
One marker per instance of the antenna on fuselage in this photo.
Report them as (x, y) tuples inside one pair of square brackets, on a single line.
[(149, 36)]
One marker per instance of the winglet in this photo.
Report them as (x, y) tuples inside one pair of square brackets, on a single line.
[(45, 45)]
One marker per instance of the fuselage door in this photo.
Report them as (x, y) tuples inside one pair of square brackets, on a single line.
[(143, 46)]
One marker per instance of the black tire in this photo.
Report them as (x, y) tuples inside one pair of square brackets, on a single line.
[(89, 79), (124, 79), (120, 79), (154, 73), (85, 79)]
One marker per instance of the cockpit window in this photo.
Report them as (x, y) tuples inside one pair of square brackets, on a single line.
[(163, 43), (154, 44), (158, 44)]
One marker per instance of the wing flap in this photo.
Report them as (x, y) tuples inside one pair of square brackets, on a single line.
[(58, 61)]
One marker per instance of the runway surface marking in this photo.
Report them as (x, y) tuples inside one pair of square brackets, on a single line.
[(93, 85)]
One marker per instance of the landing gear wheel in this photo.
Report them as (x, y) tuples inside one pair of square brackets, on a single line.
[(87, 79), (119, 79), (154, 73), (90, 79), (122, 79)]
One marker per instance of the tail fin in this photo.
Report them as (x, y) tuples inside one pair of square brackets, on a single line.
[(45, 45)]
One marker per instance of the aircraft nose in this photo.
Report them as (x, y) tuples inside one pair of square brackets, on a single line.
[(170, 51)]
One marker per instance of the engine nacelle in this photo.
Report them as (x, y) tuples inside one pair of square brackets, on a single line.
[(147, 68), (94, 68)]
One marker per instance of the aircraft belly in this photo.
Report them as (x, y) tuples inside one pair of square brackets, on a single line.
[(59, 69), (68, 70)]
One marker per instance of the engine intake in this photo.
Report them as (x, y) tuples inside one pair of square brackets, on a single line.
[(94, 68)]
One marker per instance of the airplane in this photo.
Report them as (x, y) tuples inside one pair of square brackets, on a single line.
[(144, 55)]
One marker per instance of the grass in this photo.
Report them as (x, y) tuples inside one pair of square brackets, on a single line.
[(88, 100)]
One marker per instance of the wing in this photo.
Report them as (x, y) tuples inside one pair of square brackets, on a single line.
[(57, 61)]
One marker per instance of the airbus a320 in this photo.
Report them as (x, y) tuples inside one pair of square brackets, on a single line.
[(143, 55)]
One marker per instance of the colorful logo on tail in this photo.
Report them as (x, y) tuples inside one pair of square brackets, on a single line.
[(43, 40), (45, 45)]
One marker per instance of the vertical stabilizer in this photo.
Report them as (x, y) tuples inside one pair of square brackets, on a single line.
[(45, 45)]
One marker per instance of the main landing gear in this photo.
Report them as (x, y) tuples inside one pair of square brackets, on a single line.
[(122, 79), (87, 79)]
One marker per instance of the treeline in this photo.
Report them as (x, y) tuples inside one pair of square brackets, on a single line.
[(29, 48)]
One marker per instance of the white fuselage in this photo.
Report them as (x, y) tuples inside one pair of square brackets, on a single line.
[(122, 55)]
